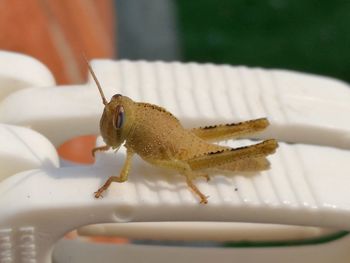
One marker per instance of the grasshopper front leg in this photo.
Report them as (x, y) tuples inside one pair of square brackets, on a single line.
[(100, 149), (119, 179)]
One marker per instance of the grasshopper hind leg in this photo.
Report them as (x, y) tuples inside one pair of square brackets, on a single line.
[(230, 155), (230, 131), (184, 169), (246, 165)]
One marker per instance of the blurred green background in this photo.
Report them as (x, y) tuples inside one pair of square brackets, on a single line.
[(311, 36)]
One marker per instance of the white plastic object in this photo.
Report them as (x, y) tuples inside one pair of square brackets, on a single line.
[(24, 149), (18, 71), (300, 189), (302, 108), (221, 232)]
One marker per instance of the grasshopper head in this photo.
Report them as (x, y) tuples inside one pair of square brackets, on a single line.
[(116, 121), (117, 117)]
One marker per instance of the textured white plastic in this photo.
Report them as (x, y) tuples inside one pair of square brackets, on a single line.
[(307, 184)]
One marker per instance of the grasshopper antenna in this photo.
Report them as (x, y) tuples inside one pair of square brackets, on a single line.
[(104, 101)]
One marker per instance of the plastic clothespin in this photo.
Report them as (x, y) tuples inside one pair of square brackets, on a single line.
[(307, 184)]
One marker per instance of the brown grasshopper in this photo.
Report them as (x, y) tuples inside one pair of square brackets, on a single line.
[(159, 138)]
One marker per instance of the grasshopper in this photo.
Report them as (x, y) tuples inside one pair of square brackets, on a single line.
[(158, 137)]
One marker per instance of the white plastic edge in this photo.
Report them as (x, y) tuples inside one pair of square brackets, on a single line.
[(18, 71), (23, 149)]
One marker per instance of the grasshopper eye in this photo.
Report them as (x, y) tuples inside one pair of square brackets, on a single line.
[(118, 118)]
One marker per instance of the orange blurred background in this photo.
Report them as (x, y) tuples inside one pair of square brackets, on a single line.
[(57, 33)]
